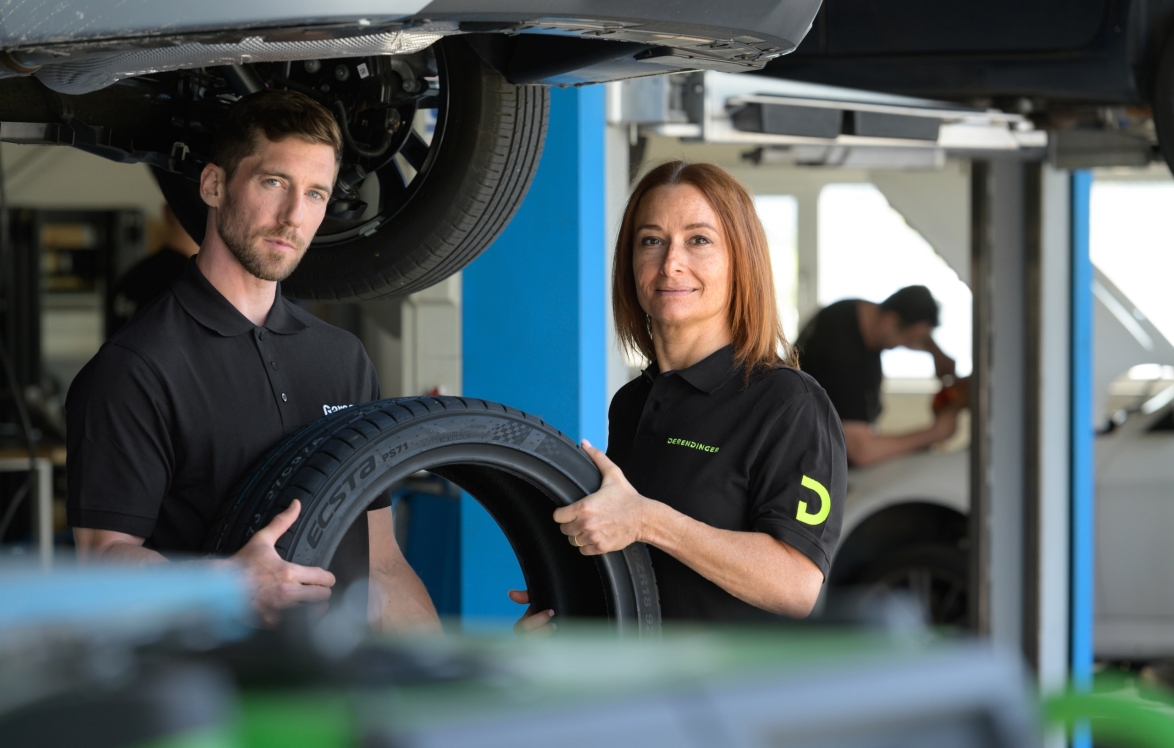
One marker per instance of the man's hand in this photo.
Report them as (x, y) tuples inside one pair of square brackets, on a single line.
[(608, 520), (276, 583), (536, 623), (945, 423), (944, 367)]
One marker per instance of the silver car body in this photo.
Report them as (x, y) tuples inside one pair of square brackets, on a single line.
[(80, 46)]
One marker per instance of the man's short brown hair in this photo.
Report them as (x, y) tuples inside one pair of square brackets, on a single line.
[(276, 114)]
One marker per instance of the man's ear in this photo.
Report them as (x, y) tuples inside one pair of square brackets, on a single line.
[(213, 182)]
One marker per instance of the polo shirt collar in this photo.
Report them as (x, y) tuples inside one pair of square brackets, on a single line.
[(707, 374), (206, 305)]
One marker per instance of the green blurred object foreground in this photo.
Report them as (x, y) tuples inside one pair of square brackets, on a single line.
[(1119, 712), (126, 657), (747, 687), (160, 658)]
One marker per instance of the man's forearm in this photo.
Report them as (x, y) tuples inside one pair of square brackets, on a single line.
[(397, 599), (114, 547), (127, 553), (864, 450), (398, 602)]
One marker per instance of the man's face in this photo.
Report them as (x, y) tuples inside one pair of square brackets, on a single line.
[(893, 335), (274, 204)]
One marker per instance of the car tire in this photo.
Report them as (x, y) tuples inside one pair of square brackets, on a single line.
[(518, 467), (492, 139), (1163, 101), (935, 573)]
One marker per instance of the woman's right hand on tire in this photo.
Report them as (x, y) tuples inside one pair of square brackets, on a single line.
[(532, 623)]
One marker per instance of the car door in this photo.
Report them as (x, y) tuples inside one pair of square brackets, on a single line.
[(1134, 526)]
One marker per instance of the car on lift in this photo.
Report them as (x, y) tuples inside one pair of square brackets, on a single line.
[(1098, 74), (905, 520), (442, 105)]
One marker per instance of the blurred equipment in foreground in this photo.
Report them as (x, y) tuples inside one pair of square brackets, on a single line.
[(146, 657)]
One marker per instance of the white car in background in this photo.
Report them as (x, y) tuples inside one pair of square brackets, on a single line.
[(905, 521)]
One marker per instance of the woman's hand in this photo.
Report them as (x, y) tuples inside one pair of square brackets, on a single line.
[(538, 624), (608, 520)]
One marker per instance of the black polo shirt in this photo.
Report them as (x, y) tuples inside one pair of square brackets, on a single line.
[(174, 409), (831, 349), (765, 457)]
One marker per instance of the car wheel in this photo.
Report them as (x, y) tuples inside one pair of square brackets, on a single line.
[(518, 468), (935, 574), (415, 207), (1163, 102)]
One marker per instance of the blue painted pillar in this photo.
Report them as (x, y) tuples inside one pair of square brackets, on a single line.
[(534, 326), (1083, 472)]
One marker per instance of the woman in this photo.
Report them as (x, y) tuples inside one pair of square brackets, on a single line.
[(722, 457)]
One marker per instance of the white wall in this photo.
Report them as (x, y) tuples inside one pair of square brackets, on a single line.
[(63, 177)]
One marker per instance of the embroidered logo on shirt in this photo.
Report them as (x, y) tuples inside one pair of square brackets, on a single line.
[(825, 503), (328, 409), (693, 445)]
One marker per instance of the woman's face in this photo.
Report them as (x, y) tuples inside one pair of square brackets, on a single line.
[(681, 259)]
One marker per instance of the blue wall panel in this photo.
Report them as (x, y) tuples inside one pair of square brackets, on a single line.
[(533, 325)]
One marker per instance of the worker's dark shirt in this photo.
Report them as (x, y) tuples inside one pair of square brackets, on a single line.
[(141, 285), (174, 410), (831, 349), (765, 457)]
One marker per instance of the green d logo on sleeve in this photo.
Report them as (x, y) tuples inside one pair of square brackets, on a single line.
[(825, 503)]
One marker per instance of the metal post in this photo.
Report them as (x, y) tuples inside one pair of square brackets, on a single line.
[(998, 441), (1020, 405), (980, 286)]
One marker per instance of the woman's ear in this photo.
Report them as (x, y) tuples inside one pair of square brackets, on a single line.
[(212, 185)]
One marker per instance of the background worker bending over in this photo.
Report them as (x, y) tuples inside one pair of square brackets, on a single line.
[(840, 347)]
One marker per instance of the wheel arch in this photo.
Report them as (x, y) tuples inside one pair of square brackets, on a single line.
[(898, 525)]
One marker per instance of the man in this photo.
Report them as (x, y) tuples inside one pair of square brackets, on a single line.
[(176, 408), (152, 275), (841, 348)]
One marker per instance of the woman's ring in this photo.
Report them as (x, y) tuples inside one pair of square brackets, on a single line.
[(575, 540)]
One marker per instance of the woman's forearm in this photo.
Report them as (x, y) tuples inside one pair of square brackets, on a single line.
[(751, 566)]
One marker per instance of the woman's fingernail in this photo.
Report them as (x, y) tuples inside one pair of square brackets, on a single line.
[(586, 443), (551, 612)]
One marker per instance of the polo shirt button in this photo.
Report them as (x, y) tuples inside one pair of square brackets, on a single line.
[(284, 398), (274, 365), (261, 335)]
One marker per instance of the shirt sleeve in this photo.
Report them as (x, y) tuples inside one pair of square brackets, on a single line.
[(118, 436), (373, 388), (799, 479)]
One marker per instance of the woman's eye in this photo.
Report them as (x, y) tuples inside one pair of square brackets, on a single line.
[(650, 241), (699, 239)]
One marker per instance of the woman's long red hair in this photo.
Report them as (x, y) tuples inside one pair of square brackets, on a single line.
[(757, 333)]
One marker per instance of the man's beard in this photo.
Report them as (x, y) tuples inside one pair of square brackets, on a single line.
[(250, 250)]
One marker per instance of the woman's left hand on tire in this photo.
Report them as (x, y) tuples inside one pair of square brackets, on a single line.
[(608, 520)]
